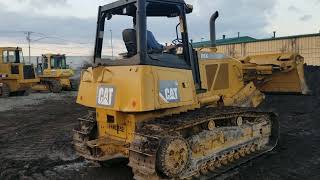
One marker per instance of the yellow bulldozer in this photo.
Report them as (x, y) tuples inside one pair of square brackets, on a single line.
[(54, 73), (16, 77), (174, 112)]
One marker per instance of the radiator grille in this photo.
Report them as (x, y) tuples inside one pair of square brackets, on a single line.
[(211, 71), (222, 81)]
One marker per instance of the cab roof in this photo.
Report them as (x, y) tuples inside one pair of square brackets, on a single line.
[(51, 54), (169, 8), (10, 48)]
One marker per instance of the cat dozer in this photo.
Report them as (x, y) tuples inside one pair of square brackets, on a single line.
[(175, 113), (54, 73), (16, 77)]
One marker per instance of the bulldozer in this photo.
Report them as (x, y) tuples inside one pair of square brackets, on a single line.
[(16, 77), (54, 73), (175, 113)]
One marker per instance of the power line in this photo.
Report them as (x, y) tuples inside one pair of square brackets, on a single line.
[(60, 38), (42, 36), (54, 51), (11, 32), (45, 36)]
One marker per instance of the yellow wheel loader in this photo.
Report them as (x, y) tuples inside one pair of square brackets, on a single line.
[(16, 77), (54, 73), (174, 113)]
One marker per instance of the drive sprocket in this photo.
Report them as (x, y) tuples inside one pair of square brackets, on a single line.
[(173, 156)]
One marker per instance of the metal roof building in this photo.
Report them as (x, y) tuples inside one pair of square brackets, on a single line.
[(308, 45)]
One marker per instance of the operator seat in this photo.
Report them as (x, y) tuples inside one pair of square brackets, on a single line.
[(130, 39)]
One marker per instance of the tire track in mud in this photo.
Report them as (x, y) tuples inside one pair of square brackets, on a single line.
[(37, 144), (33, 143)]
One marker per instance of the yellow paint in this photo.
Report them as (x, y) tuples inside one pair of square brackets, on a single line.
[(137, 88), (136, 99), (281, 72)]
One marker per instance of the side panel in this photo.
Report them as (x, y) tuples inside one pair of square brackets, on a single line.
[(5, 68), (223, 77), (47, 73), (174, 87), (136, 88)]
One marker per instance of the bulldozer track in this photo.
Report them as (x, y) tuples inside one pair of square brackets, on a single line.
[(144, 156), (4, 91), (83, 133), (54, 86), (143, 153)]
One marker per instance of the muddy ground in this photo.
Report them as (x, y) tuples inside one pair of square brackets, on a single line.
[(35, 140)]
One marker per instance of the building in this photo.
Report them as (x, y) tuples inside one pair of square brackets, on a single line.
[(307, 45)]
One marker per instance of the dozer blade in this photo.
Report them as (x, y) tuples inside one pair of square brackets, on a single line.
[(202, 144), (286, 82), (276, 73)]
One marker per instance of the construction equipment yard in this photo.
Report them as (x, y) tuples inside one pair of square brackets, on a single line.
[(36, 139), (138, 102)]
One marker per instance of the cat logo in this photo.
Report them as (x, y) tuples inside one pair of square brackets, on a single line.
[(105, 96), (169, 91)]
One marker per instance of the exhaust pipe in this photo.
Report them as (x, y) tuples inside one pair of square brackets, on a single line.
[(213, 28)]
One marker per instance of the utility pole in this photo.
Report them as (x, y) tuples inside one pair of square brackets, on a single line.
[(111, 43), (29, 42)]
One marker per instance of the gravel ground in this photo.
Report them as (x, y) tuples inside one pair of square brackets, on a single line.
[(18, 102), (36, 135)]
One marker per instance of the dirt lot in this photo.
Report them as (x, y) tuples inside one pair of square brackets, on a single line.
[(35, 140)]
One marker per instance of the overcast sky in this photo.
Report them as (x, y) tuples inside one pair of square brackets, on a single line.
[(68, 26)]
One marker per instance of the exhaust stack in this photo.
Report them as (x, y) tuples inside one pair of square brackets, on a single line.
[(213, 28)]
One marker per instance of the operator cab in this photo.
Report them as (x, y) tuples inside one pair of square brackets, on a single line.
[(142, 47), (58, 62), (12, 55), (51, 62)]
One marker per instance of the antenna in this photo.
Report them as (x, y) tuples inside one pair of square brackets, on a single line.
[(111, 43)]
